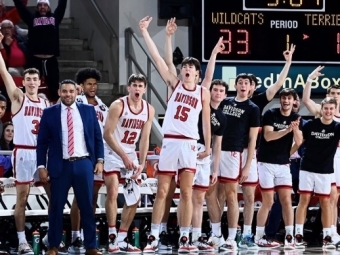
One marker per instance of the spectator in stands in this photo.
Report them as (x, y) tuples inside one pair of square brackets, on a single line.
[(3, 106), (13, 49), (11, 15), (43, 43), (6, 143)]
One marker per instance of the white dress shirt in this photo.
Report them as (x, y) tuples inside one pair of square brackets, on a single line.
[(80, 149)]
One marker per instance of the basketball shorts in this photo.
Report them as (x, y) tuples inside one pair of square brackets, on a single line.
[(177, 155), (274, 176), (203, 169), (24, 162), (319, 184), (231, 164), (113, 164)]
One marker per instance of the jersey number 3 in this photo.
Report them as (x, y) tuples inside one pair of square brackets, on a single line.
[(129, 137), (36, 124), (182, 113)]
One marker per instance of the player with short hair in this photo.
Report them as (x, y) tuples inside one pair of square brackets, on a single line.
[(27, 109), (321, 137), (179, 147), (280, 127), (243, 120), (315, 109), (129, 119)]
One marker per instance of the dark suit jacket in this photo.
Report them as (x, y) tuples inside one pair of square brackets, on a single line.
[(50, 137)]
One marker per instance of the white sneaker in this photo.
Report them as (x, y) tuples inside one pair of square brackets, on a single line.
[(336, 239), (185, 246), (25, 249), (126, 247), (152, 245), (113, 247), (229, 245), (265, 242), (203, 246), (77, 247), (289, 243), (299, 243), (216, 241), (328, 243)]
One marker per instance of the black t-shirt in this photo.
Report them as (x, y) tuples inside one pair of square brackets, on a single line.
[(321, 142), (276, 151), (260, 100), (241, 116), (218, 124)]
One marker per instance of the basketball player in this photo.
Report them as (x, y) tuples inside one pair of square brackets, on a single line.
[(88, 79), (26, 111), (321, 137), (179, 147), (129, 118), (315, 109), (243, 120), (280, 127), (217, 127)]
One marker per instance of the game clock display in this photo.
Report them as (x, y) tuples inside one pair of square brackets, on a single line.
[(258, 31)]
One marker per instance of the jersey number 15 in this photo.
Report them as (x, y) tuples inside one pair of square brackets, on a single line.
[(182, 113)]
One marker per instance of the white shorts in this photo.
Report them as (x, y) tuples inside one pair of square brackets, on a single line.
[(202, 175), (98, 179), (231, 164), (113, 164), (24, 162), (274, 176), (336, 175), (177, 155), (319, 184), (253, 178)]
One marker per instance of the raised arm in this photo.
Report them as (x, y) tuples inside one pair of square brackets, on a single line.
[(209, 72), (168, 76), (312, 107), (14, 93), (274, 88), (170, 29), (60, 11), (23, 11)]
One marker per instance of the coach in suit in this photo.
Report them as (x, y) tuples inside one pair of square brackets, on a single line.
[(70, 136)]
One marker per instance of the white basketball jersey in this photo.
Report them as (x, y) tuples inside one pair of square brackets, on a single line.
[(181, 116), (27, 120), (130, 125), (101, 111)]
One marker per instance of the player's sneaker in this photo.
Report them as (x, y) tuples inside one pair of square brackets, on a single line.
[(229, 245), (152, 245), (247, 243), (126, 247), (203, 246), (289, 243), (62, 248), (77, 247), (299, 243), (112, 244), (216, 241), (336, 239), (25, 248), (164, 243), (265, 242), (328, 243), (185, 246)]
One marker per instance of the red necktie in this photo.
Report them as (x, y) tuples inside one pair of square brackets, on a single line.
[(70, 132)]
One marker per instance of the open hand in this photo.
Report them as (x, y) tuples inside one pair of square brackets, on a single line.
[(144, 23)]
